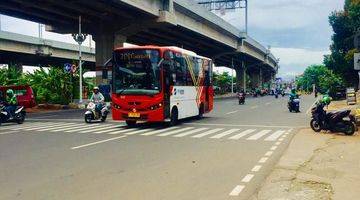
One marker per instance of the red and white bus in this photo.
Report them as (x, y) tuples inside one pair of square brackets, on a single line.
[(154, 84)]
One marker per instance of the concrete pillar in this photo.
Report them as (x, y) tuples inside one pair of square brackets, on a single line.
[(261, 78), (241, 77), (255, 78), (105, 42)]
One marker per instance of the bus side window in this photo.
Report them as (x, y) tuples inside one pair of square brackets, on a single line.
[(180, 71)]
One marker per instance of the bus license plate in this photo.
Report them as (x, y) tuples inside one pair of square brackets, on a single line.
[(135, 115)]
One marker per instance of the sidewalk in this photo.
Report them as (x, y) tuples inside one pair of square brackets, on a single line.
[(316, 166)]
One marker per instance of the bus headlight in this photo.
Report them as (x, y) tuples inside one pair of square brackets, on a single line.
[(117, 106), (153, 107)]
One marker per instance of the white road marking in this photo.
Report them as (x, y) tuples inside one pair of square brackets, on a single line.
[(269, 153), (242, 134), (51, 126), (253, 107), (273, 148), (159, 131), (207, 133), (98, 142), (245, 125), (7, 132), (110, 130), (44, 117), (231, 112), (175, 131), (228, 132), (121, 131), (256, 168), (263, 159), (268, 103), (258, 135), (34, 125), (190, 132), (281, 139), (80, 128), (100, 128), (274, 136), (137, 131), (237, 190), (277, 143), (247, 178)]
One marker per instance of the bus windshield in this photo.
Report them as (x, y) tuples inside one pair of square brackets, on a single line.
[(137, 72)]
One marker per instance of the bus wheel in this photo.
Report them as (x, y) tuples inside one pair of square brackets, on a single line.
[(130, 123), (174, 117)]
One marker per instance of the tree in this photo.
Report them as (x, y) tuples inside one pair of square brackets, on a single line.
[(323, 78), (345, 25), (223, 81)]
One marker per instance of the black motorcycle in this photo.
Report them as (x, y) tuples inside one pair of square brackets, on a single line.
[(18, 116), (294, 105), (336, 121), (276, 95), (241, 98)]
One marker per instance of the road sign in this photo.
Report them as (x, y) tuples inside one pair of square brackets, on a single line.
[(357, 61), (67, 67)]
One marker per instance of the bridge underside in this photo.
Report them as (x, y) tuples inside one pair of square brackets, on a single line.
[(141, 22)]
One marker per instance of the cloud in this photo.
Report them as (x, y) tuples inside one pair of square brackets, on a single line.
[(294, 61)]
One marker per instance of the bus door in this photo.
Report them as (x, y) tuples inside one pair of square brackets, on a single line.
[(167, 67), (207, 84)]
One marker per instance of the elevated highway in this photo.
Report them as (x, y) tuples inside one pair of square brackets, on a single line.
[(183, 23)]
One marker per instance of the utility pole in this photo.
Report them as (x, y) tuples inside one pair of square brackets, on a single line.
[(80, 38)]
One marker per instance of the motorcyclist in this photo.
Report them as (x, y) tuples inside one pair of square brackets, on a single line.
[(293, 95), (98, 99), (326, 100), (10, 102)]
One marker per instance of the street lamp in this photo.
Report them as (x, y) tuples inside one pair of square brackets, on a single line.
[(80, 38)]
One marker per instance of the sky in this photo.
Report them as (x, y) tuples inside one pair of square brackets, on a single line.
[(297, 31)]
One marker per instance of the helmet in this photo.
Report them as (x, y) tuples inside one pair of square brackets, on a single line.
[(96, 89), (10, 92), (326, 100)]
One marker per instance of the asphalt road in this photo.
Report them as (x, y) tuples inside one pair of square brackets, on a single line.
[(225, 155)]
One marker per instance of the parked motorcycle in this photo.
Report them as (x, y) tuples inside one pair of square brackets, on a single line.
[(294, 105), (18, 116), (92, 114), (336, 121), (241, 98)]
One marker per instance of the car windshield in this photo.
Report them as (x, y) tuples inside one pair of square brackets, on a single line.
[(137, 72)]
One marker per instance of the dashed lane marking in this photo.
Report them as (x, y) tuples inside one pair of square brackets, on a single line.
[(237, 190), (247, 178), (256, 168)]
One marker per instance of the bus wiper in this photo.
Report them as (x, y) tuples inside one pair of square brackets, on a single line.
[(121, 91)]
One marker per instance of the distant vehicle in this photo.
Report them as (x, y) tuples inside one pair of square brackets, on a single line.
[(156, 84), (18, 117), (24, 94), (339, 93), (91, 113)]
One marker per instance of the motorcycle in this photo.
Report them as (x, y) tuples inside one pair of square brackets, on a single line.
[(18, 116), (282, 93), (336, 121), (241, 98), (276, 95), (92, 114), (294, 105)]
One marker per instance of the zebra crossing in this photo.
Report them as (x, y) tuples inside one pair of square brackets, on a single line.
[(251, 134)]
